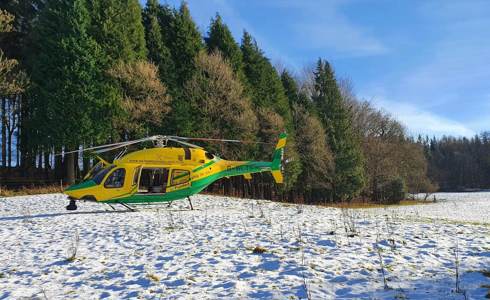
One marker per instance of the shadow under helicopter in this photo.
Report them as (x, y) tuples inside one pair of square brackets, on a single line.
[(95, 212)]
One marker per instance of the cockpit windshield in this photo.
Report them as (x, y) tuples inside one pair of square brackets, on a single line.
[(97, 177), (99, 166)]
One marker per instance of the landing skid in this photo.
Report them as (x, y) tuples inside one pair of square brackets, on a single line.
[(73, 206)]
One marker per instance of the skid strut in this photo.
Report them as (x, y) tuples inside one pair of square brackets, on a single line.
[(190, 202), (127, 206)]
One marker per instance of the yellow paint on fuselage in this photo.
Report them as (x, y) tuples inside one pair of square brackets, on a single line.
[(198, 163), (203, 169)]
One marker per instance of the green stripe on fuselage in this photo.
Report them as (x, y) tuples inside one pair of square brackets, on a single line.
[(81, 185), (205, 165), (196, 186)]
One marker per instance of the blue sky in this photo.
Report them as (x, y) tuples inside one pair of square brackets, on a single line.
[(425, 62)]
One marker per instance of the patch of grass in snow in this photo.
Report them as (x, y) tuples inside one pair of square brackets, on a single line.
[(153, 277), (362, 205), (259, 250), (49, 189)]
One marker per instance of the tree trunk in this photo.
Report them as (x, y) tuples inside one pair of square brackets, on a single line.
[(40, 159), (58, 163), (17, 148), (9, 150), (47, 164), (70, 168), (3, 118)]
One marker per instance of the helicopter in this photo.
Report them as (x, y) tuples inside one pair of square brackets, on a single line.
[(163, 174)]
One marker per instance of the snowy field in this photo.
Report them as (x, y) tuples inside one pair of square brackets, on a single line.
[(310, 252)]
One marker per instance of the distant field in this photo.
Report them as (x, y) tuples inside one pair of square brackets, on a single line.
[(237, 248)]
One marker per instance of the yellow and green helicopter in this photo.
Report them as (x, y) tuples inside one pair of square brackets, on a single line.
[(163, 174)]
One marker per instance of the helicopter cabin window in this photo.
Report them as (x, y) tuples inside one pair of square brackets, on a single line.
[(116, 179), (153, 180), (179, 177)]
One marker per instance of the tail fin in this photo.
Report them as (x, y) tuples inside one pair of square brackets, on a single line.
[(277, 158)]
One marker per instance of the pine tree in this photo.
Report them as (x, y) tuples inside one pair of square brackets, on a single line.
[(294, 94), (220, 38), (263, 83), (349, 177), (68, 94), (117, 27), (185, 43), (158, 52)]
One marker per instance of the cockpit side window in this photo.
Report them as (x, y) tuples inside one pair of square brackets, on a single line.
[(116, 179)]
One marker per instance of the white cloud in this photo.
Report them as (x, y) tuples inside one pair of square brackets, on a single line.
[(419, 121)]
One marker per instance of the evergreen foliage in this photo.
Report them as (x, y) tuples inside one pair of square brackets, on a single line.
[(185, 43), (105, 70), (349, 176), (116, 25), (68, 105), (314, 152), (158, 52), (263, 83), (220, 38)]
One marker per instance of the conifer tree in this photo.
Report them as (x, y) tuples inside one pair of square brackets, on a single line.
[(158, 52), (294, 94), (220, 38), (184, 44), (68, 94), (349, 177), (263, 83), (117, 27)]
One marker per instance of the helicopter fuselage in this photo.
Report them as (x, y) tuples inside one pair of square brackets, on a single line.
[(165, 174)]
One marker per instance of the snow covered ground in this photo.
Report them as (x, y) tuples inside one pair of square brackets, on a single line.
[(321, 253)]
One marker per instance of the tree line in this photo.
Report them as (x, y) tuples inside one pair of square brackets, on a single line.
[(78, 73), (459, 164)]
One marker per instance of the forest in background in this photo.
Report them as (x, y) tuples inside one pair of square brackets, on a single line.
[(78, 73)]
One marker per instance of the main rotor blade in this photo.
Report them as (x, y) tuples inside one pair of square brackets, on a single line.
[(177, 140), (223, 140), (102, 148)]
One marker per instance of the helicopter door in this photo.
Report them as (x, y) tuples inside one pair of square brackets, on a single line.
[(153, 180)]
